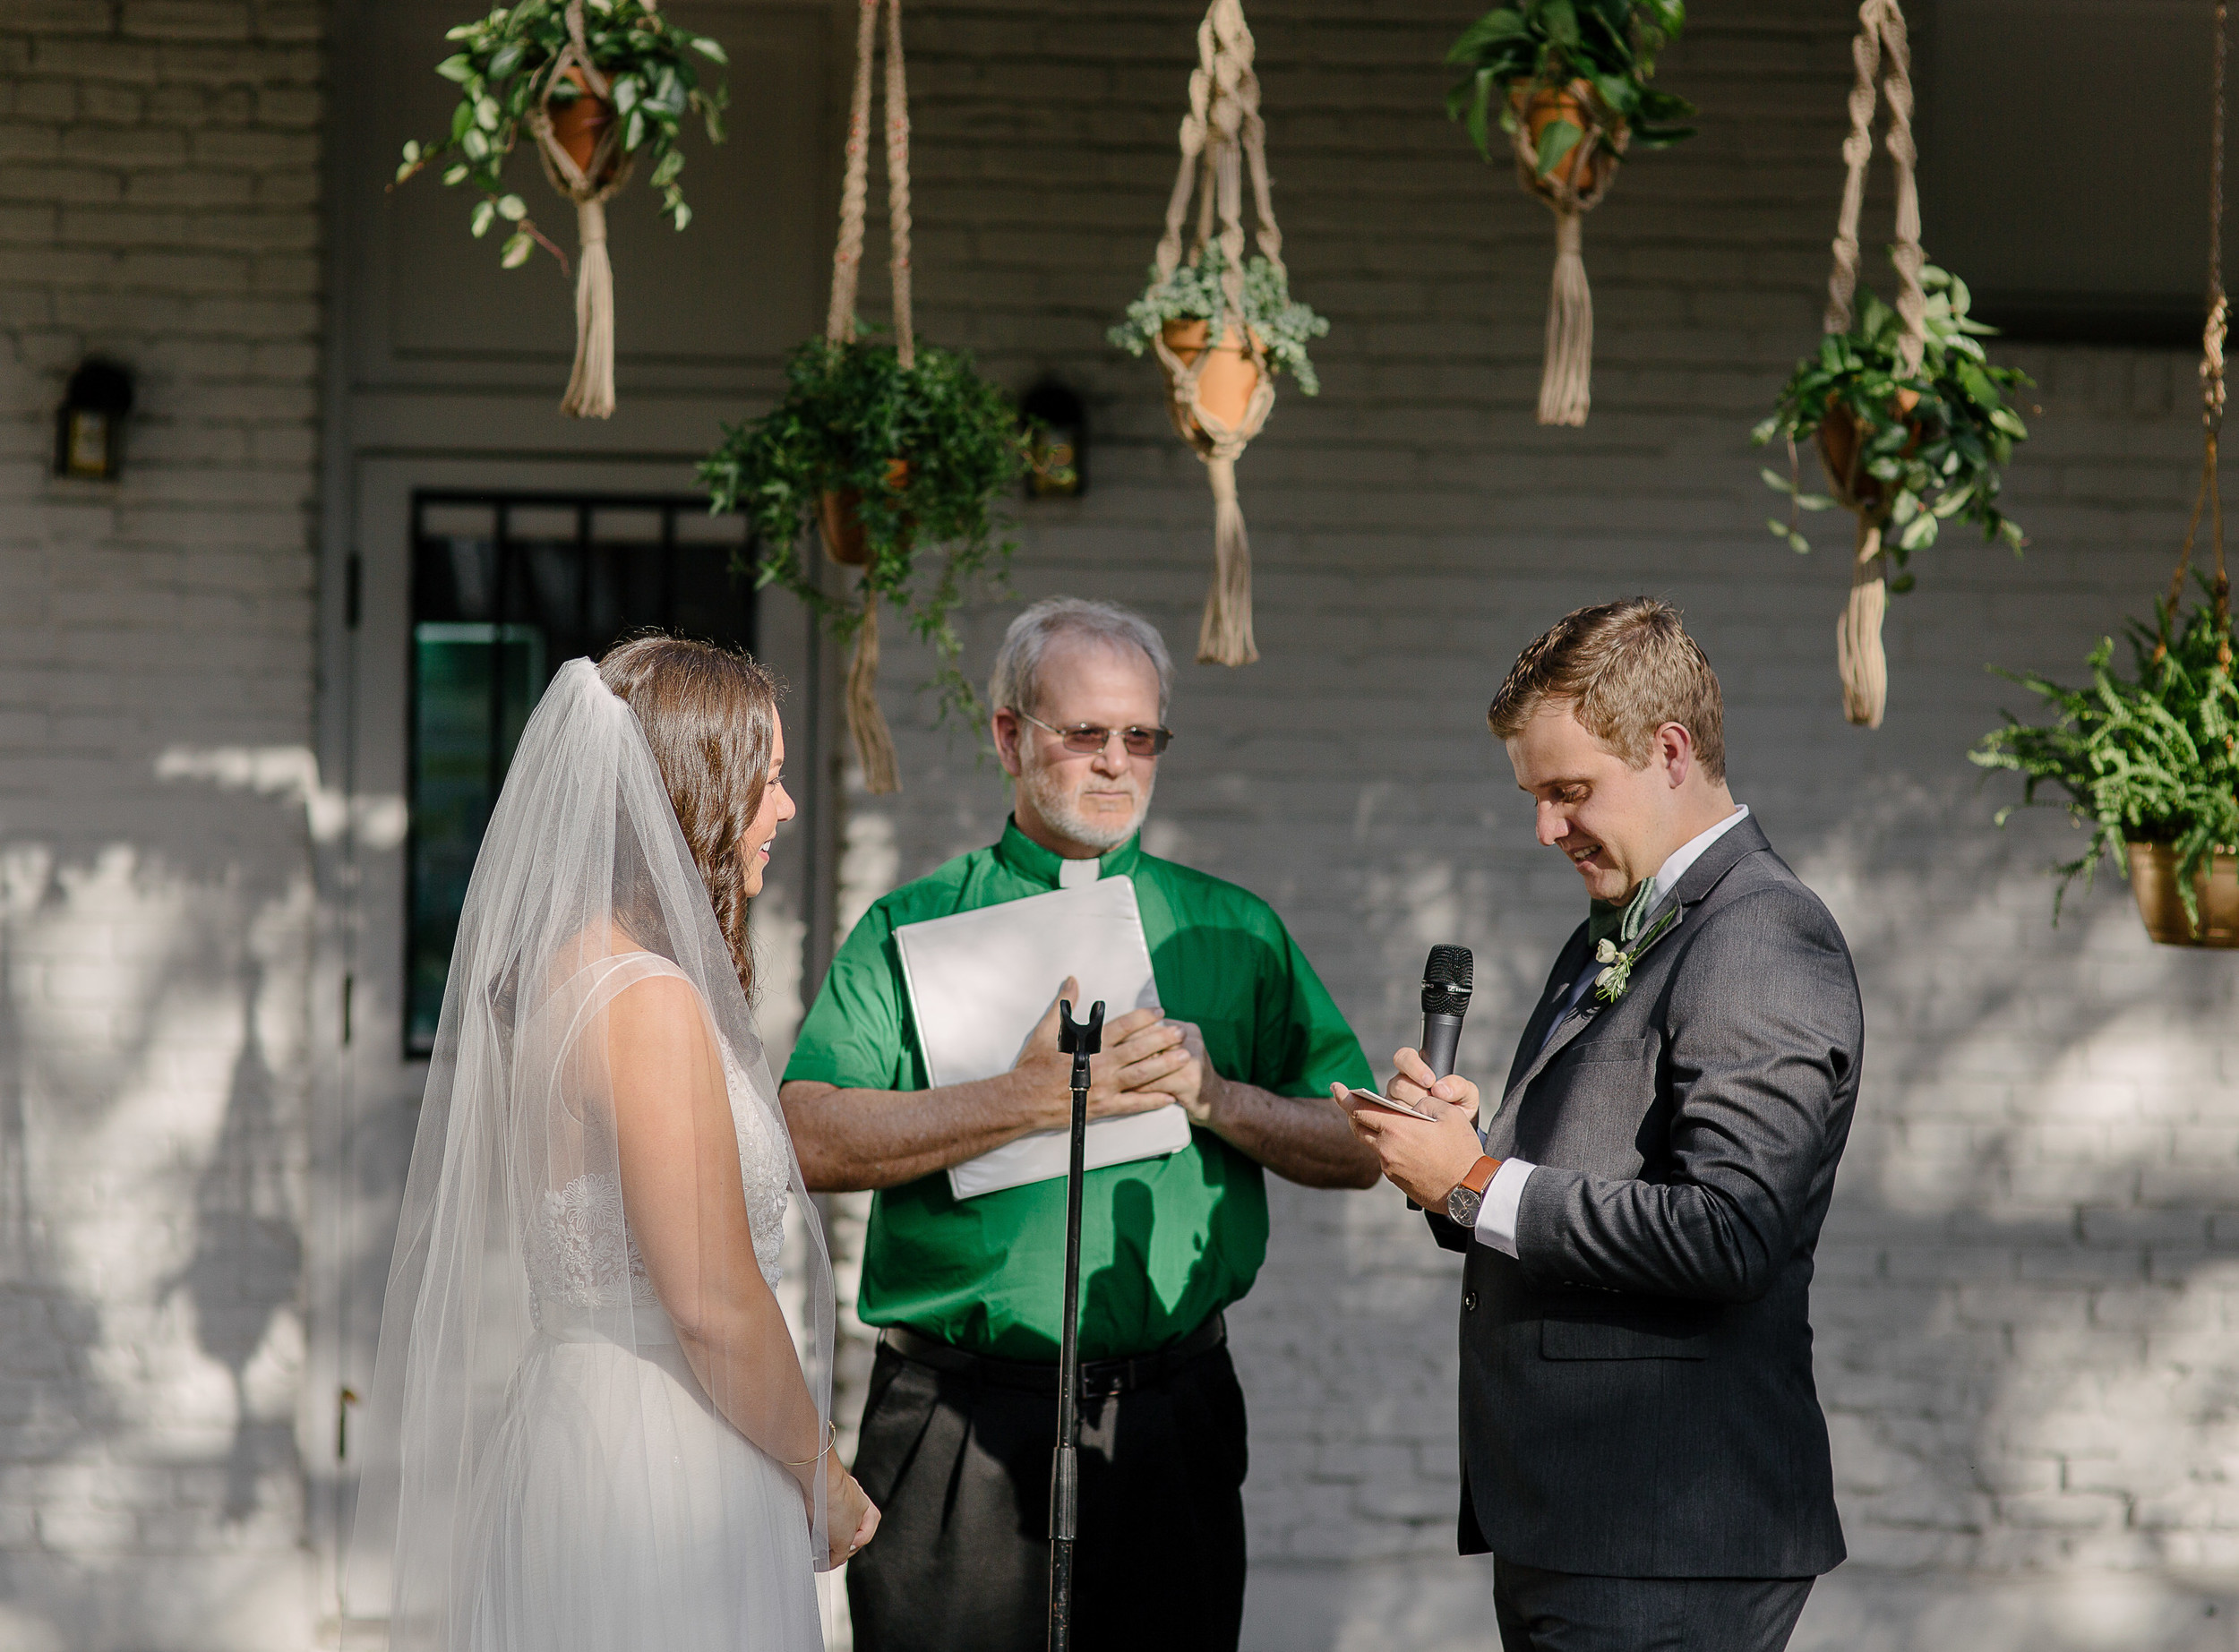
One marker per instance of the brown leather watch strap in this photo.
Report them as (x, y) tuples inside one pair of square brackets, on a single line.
[(1480, 1176)]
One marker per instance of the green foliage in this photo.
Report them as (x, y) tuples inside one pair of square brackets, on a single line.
[(1193, 293), (503, 68), (848, 412), (1936, 464), (1611, 45), (2149, 757)]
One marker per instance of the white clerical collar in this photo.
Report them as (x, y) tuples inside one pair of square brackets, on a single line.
[(1073, 874), (1676, 865)]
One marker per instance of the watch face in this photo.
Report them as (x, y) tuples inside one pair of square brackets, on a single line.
[(1463, 1205)]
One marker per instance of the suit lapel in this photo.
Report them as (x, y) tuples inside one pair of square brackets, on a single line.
[(1560, 979)]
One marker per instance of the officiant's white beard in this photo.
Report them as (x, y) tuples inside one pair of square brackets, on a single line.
[(1059, 803)]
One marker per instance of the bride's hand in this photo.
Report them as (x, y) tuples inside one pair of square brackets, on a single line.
[(849, 1514)]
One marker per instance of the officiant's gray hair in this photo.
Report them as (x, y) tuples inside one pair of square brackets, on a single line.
[(1016, 682)]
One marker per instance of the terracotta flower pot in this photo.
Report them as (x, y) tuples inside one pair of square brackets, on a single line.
[(839, 516), (1225, 387), (2153, 881), (1839, 439), (1540, 108), (578, 124)]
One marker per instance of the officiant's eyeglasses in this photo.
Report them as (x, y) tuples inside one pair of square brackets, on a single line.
[(1086, 740)]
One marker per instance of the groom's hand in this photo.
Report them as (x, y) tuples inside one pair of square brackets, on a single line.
[(1424, 1158)]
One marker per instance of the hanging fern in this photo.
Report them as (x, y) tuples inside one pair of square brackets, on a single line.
[(2149, 757)]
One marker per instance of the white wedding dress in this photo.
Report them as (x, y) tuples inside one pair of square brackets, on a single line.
[(616, 1509), (544, 1471)]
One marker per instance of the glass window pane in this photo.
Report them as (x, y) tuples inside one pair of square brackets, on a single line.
[(472, 685)]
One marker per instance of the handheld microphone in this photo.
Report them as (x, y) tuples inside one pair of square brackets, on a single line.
[(1445, 1000)]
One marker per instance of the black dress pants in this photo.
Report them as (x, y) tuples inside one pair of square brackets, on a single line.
[(1542, 1611), (959, 1467)]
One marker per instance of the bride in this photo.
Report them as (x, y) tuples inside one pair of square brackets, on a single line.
[(590, 1427)]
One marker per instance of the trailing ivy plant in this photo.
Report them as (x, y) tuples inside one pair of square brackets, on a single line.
[(1193, 293), (503, 70), (1936, 460), (849, 412), (1611, 45), (2151, 756)]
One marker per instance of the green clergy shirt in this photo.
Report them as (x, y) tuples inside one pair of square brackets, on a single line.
[(1165, 1243)]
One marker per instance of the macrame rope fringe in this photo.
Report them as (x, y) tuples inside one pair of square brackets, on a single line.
[(1858, 654), (590, 393), (1225, 636), (874, 744), (1566, 380)]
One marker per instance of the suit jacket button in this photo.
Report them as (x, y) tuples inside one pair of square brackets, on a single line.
[(1469, 1302)]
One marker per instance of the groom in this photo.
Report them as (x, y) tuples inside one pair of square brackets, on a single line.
[(1642, 1448)]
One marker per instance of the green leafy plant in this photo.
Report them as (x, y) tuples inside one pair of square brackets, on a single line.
[(1193, 293), (1611, 45), (1935, 458), (925, 449), (505, 69), (2152, 757)]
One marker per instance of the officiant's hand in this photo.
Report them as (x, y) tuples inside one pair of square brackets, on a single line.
[(1142, 1054)]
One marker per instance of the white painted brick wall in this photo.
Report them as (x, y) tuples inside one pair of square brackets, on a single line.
[(159, 202), (2030, 1280)]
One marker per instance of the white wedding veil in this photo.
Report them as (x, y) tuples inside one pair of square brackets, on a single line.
[(578, 1362)]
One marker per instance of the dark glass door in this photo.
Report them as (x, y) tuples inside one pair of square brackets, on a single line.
[(506, 589)]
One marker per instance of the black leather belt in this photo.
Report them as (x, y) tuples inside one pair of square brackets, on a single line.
[(1100, 1378)]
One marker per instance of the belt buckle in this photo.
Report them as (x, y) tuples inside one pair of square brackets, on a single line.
[(1107, 1383)]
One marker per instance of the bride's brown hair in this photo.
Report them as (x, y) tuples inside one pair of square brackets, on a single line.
[(711, 717)]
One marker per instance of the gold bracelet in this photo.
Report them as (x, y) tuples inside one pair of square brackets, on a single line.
[(820, 1451)]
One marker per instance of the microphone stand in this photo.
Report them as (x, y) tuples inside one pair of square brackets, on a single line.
[(1080, 1039)]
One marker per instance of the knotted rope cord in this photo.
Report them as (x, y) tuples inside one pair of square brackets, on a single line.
[(1566, 373), (2210, 496), (1858, 654), (590, 392), (866, 722), (1221, 136)]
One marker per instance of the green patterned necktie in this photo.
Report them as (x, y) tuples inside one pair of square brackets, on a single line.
[(1604, 919), (1635, 917)]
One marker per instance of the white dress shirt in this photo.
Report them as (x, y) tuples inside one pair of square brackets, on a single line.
[(1497, 1217)]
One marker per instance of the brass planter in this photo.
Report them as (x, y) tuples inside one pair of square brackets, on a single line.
[(2153, 880)]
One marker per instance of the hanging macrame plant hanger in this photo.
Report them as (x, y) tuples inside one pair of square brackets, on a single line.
[(1858, 654), (866, 723), (2210, 500), (1221, 136), (1570, 189), (590, 393)]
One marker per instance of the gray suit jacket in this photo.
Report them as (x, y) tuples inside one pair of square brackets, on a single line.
[(1636, 1383)]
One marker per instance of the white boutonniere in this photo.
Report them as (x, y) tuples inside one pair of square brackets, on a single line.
[(1614, 982)]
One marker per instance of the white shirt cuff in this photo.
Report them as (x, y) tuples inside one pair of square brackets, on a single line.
[(1497, 1217)]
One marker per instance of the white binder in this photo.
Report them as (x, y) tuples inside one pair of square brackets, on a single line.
[(980, 982)]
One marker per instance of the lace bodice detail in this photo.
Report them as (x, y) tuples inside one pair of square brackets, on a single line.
[(574, 1262)]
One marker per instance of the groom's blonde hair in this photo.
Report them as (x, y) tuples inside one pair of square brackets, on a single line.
[(1625, 670)]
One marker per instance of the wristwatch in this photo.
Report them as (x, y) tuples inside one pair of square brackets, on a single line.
[(1468, 1196)]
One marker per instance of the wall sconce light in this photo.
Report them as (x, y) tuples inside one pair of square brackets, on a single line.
[(89, 427), (1056, 452)]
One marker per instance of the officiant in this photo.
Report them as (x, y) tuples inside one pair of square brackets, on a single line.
[(968, 1293)]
